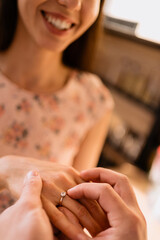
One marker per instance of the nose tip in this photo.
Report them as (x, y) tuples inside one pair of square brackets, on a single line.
[(71, 4)]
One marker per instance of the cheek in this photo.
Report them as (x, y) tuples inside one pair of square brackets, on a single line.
[(23, 7), (91, 13), (28, 8), (28, 13)]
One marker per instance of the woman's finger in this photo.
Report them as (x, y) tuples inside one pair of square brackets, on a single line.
[(61, 222), (72, 218), (80, 211)]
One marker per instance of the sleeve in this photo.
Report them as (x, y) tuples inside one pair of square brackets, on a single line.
[(99, 97)]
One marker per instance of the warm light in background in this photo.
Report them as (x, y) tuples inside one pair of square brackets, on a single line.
[(144, 12)]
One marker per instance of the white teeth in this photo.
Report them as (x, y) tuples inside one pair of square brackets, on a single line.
[(58, 23)]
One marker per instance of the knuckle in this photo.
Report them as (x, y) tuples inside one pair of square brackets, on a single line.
[(70, 170), (49, 188), (47, 183), (61, 176), (28, 205), (65, 179), (134, 220), (107, 187), (123, 179), (35, 214)]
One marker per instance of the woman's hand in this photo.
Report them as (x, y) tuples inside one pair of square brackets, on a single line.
[(56, 179), (115, 194)]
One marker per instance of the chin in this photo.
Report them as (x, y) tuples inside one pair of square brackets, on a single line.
[(53, 47)]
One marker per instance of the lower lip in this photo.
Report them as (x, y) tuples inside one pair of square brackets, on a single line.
[(54, 30)]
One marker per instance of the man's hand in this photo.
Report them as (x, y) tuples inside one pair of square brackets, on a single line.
[(56, 178), (115, 195), (26, 219)]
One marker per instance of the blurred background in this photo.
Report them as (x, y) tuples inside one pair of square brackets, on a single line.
[(127, 60)]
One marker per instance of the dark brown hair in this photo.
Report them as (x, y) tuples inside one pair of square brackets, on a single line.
[(80, 53), (77, 55), (8, 22)]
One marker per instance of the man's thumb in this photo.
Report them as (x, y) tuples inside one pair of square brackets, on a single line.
[(32, 187)]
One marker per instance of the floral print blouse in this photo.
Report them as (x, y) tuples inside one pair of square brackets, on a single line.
[(50, 126)]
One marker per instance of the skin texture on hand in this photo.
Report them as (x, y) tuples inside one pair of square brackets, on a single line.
[(115, 194), (27, 219), (56, 178)]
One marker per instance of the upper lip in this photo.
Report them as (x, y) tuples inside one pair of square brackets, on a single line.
[(60, 16)]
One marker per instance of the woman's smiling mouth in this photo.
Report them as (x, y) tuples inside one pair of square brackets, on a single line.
[(57, 22)]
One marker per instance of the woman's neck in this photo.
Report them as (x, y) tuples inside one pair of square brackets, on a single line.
[(32, 67)]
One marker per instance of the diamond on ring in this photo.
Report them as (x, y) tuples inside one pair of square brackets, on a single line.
[(63, 194)]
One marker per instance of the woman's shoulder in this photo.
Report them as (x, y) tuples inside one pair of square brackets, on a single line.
[(96, 89)]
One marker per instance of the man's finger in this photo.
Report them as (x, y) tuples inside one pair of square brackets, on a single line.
[(109, 200), (118, 181), (101, 175)]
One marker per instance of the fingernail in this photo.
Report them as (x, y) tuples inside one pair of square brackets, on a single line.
[(71, 190), (68, 191), (32, 174)]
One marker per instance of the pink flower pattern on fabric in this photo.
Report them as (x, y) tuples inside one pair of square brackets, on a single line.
[(16, 135), (24, 106), (55, 124)]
